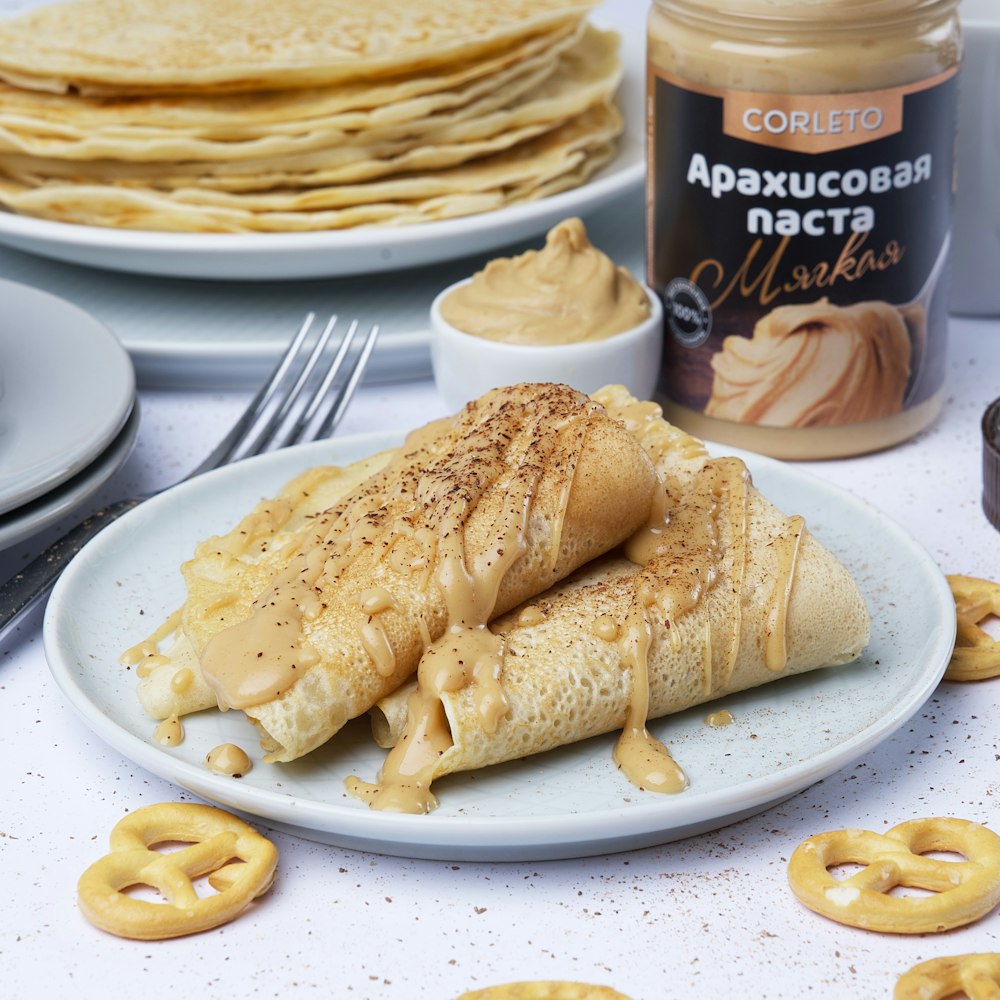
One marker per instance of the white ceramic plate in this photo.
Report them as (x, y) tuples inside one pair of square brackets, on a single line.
[(31, 518), (66, 389), (568, 803), (215, 334), (253, 257)]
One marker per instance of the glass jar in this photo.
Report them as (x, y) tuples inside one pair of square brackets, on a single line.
[(799, 205)]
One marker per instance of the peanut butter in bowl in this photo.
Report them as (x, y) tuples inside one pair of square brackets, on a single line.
[(563, 313)]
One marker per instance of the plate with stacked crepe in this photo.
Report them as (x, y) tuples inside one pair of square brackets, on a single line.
[(168, 139), (757, 630)]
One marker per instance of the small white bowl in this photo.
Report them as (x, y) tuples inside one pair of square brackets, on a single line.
[(466, 366)]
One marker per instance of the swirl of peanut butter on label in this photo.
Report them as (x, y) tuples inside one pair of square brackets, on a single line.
[(817, 365), (567, 292)]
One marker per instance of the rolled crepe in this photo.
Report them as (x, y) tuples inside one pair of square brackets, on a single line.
[(720, 592), (471, 517), (223, 577)]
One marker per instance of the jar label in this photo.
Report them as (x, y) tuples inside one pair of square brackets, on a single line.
[(800, 245)]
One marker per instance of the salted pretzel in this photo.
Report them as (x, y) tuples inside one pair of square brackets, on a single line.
[(545, 990), (238, 861), (976, 655), (961, 891), (976, 976)]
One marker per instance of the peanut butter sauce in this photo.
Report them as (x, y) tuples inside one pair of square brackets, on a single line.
[(228, 759), (170, 732)]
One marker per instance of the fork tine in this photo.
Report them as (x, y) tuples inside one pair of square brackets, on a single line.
[(227, 448), (346, 392), (321, 394), (275, 434)]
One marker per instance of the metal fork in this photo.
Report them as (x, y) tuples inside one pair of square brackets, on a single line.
[(297, 403)]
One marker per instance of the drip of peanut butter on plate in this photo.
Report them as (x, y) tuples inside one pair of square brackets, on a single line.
[(567, 292), (642, 758), (719, 718), (170, 732), (145, 656), (816, 365), (228, 759)]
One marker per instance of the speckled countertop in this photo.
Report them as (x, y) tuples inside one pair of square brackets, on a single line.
[(708, 916)]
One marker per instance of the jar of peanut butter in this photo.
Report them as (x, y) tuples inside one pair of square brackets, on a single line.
[(799, 206)]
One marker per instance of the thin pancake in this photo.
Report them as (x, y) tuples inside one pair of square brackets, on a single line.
[(136, 46), (359, 105), (552, 161)]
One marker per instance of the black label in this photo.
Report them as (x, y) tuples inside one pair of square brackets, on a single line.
[(741, 228)]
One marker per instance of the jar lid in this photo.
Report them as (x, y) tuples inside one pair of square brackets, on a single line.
[(991, 463)]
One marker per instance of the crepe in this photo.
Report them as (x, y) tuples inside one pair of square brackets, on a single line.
[(532, 169), (722, 592), (470, 518), (355, 105), (136, 46), (429, 141), (224, 575)]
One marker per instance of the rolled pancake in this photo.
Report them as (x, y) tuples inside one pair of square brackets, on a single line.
[(724, 593), (222, 578), (472, 516)]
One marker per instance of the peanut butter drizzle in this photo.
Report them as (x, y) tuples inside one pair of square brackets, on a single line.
[(787, 549), (681, 551), (182, 680), (467, 653), (145, 656), (642, 758)]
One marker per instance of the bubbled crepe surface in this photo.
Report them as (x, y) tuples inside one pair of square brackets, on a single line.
[(565, 684), (234, 44)]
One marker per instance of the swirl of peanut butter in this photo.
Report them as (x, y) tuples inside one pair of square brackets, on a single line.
[(568, 292), (815, 365)]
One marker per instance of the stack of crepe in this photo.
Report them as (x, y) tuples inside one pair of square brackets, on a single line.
[(539, 569), (255, 116)]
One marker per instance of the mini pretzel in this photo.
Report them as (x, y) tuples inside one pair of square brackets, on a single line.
[(963, 891), (976, 655), (239, 862), (976, 976), (545, 990)]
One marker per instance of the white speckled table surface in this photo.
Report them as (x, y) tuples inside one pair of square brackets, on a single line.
[(704, 916), (707, 916)]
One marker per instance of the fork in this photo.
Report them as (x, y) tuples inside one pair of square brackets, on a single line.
[(296, 404)]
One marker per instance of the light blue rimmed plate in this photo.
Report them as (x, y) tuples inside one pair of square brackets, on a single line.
[(568, 803)]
